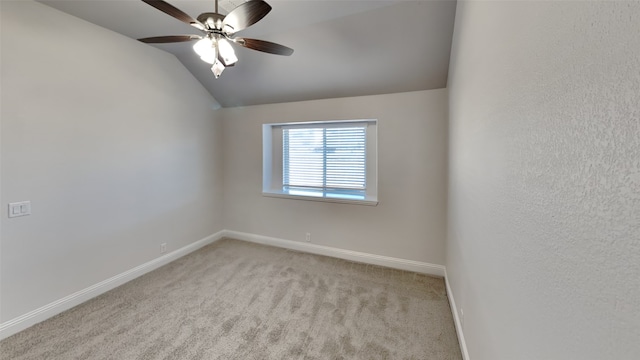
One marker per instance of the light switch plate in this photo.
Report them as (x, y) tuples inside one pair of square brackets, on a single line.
[(22, 208)]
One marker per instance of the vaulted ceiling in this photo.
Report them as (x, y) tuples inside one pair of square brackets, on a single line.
[(342, 48)]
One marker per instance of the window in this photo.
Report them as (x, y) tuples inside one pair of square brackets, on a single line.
[(326, 161)]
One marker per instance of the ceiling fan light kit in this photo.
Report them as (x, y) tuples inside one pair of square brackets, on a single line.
[(215, 46), (216, 51)]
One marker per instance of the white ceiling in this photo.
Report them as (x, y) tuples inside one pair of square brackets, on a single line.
[(342, 48)]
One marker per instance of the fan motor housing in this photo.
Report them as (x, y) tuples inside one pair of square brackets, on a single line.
[(211, 20)]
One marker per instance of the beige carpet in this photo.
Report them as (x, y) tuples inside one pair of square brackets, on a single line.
[(237, 300)]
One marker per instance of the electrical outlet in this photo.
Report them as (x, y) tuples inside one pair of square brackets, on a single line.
[(163, 248), (308, 237), (462, 318)]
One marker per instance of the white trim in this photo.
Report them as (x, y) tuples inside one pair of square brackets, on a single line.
[(456, 319), (272, 162), (282, 195), (22, 322), (323, 122), (396, 263)]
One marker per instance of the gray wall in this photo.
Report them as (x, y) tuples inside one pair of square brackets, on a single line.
[(114, 143), (543, 249), (409, 221)]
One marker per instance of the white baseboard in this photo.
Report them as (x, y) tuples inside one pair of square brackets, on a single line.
[(396, 263), (456, 319), (22, 322)]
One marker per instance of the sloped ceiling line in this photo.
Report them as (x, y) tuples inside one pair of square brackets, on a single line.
[(342, 48)]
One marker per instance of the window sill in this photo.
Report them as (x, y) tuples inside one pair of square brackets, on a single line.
[(282, 195)]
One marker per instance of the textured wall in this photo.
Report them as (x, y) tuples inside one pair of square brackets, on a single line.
[(94, 133), (409, 221), (544, 203)]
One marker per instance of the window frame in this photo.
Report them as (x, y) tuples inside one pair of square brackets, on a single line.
[(272, 161)]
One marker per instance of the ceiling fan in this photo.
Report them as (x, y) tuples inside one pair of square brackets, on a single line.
[(214, 47)]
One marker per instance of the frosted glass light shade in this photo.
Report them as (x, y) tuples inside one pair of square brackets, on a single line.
[(226, 52), (209, 59), (206, 48)]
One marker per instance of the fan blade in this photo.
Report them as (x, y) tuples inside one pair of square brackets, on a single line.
[(245, 15), (264, 46), (169, 39), (175, 12)]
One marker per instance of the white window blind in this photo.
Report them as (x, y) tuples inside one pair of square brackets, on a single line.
[(325, 160)]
